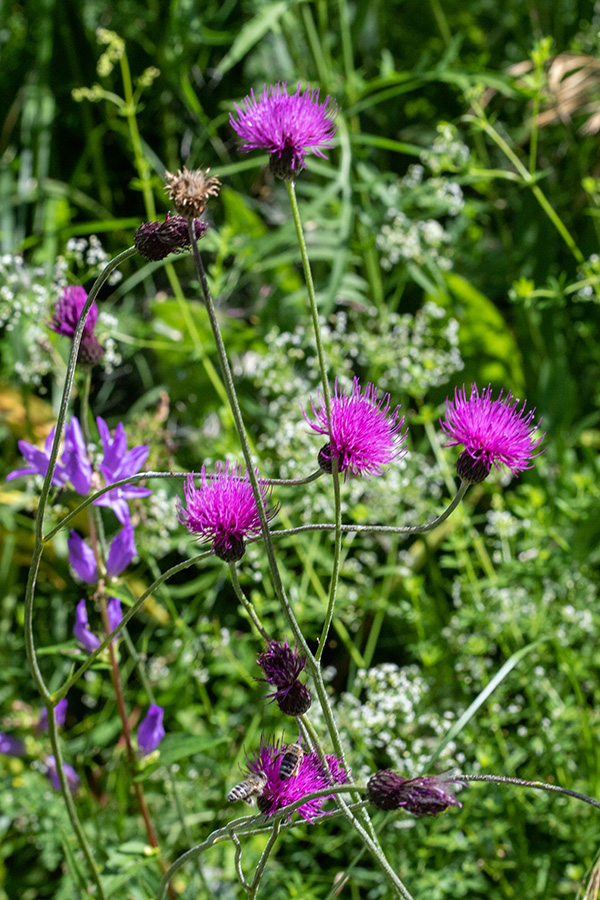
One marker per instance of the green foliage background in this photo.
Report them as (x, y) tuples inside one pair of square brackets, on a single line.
[(506, 292)]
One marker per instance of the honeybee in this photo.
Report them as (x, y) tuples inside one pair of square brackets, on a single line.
[(251, 787), (291, 756)]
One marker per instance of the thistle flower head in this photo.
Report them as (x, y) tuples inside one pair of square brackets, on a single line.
[(156, 240), (364, 435), (65, 314), (150, 731), (190, 191), (492, 432), (286, 126), (427, 795), (223, 509), (310, 776)]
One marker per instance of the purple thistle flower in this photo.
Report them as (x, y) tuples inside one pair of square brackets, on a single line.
[(282, 666), (150, 731), (118, 463), (223, 509), (121, 552), (114, 613), (81, 630), (364, 435), (60, 712), (286, 126), (310, 776), (73, 779), (73, 464), (65, 314), (82, 558), (492, 432), (427, 795), (10, 745)]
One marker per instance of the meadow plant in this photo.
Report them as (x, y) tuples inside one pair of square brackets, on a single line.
[(229, 506)]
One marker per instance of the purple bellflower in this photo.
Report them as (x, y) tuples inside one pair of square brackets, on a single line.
[(73, 464), (73, 779), (60, 712), (81, 629), (364, 435), (10, 745), (121, 552), (309, 776), (150, 731), (282, 666), (223, 509), (118, 463), (427, 795), (492, 432), (286, 126), (114, 613)]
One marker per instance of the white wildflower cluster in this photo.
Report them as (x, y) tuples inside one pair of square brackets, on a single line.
[(105, 328), (383, 714), (447, 152), (24, 291), (89, 254), (590, 271), (155, 539), (407, 234), (422, 241)]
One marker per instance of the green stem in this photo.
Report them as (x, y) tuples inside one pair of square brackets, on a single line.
[(141, 163), (263, 860), (247, 604)]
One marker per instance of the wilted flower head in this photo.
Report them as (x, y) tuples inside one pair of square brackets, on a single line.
[(60, 713), (81, 629), (73, 779), (10, 745), (286, 126), (223, 509), (65, 316), (150, 730), (427, 795), (191, 191), (364, 435), (282, 666), (156, 240), (310, 776), (72, 465), (492, 431), (118, 463)]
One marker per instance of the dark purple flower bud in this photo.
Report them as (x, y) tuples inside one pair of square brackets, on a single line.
[(81, 630), (10, 745), (294, 700), (60, 712), (122, 550), (156, 240), (151, 731), (280, 663), (91, 351), (73, 779), (65, 314), (113, 610), (82, 558), (427, 795)]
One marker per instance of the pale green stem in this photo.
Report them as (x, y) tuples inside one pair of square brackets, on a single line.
[(247, 604), (536, 785), (141, 162), (263, 860), (312, 299)]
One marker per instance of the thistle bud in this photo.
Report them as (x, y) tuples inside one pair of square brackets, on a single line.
[(156, 240), (427, 795)]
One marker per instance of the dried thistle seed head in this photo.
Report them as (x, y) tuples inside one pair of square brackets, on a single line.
[(190, 191), (156, 240)]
